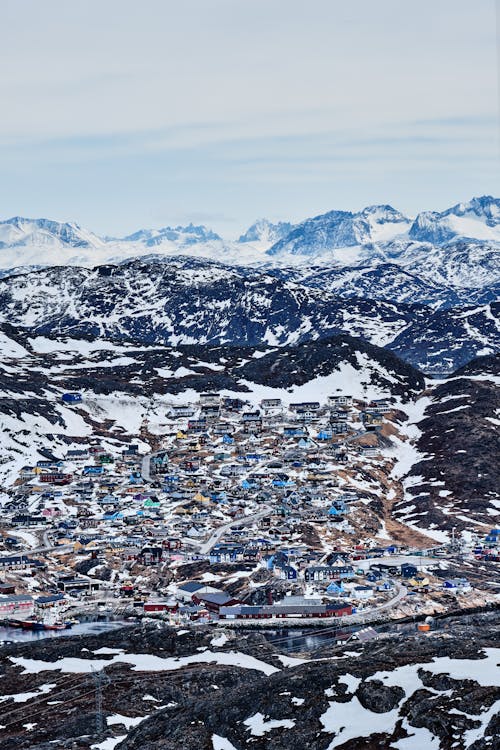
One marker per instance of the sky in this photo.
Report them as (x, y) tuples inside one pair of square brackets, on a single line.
[(121, 114)]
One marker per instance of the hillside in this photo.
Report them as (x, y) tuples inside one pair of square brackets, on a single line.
[(188, 301)]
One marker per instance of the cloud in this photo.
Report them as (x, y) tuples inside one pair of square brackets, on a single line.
[(118, 113)]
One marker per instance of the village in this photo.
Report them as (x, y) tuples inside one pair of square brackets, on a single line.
[(237, 513)]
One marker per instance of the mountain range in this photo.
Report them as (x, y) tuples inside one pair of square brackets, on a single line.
[(378, 231), (158, 300)]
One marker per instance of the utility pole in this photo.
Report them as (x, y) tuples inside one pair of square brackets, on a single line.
[(100, 679)]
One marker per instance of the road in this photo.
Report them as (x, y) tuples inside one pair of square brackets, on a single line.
[(219, 533), (146, 464)]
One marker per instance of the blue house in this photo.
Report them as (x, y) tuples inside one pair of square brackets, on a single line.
[(333, 511), (112, 516), (336, 589), (228, 440), (171, 478), (72, 398), (325, 435), (293, 431), (93, 470)]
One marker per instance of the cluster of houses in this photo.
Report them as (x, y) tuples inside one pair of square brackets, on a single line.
[(233, 487)]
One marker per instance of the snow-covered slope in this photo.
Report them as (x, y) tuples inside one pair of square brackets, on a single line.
[(477, 219), (457, 249), (36, 242), (190, 301), (190, 235), (264, 233), (45, 234), (128, 385), (342, 229)]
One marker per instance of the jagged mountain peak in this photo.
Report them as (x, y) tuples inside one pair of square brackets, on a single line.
[(339, 228), (265, 232), (185, 235)]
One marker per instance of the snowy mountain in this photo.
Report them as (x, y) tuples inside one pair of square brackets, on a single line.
[(194, 301), (263, 233), (45, 234), (477, 219), (341, 229), (185, 236), (36, 242), (445, 253), (459, 264), (389, 281)]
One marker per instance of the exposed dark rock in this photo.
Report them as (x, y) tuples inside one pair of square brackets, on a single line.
[(378, 697)]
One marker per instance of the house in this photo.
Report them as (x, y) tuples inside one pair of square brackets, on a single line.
[(362, 592), (77, 455), (338, 427), (419, 581), (226, 553), (232, 404), (161, 605), (77, 584), (372, 418), (408, 571), (287, 572), (44, 464), (55, 477), (325, 435), (177, 411), (9, 604), (312, 406), (294, 431), (209, 398), (72, 398), (381, 405), (335, 589), (210, 412), (286, 608), (328, 572), (7, 588), (27, 520), (92, 470), (197, 425), (457, 584), (342, 400), (151, 555), (186, 591), (213, 602)]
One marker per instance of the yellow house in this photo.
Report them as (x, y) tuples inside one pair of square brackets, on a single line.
[(418, 581), (201, 498)]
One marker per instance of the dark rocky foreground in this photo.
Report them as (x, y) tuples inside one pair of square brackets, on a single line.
[(449, 705)]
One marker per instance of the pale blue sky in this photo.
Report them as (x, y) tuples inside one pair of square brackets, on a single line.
[(121, 114)]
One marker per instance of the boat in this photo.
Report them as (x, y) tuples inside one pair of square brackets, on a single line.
[(10, 623), (32, 625), (37, 624)]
